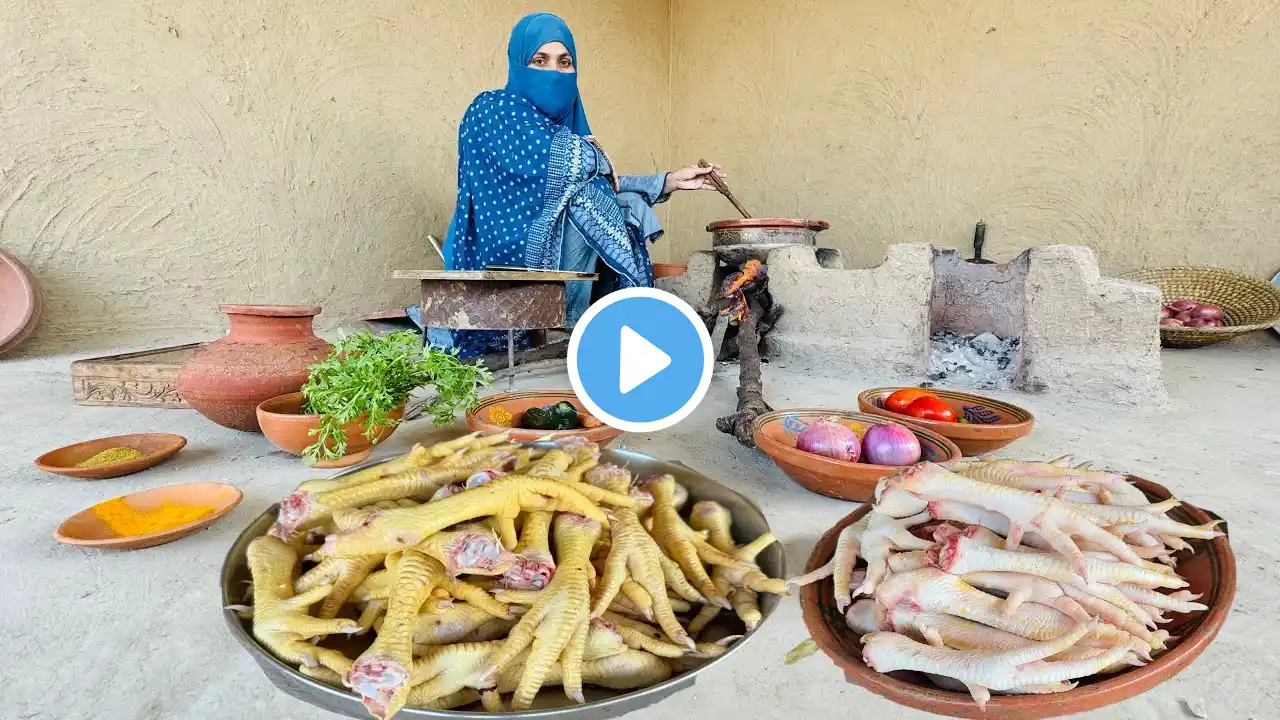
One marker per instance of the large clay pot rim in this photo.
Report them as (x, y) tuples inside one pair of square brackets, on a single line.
[(271, 310), (19, 333), (278, 406), (741, 223)]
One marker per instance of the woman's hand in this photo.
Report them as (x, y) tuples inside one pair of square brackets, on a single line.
[(692, 178), (613, 170)]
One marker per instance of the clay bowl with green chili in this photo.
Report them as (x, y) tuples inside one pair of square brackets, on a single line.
[(155, 449), (983, 424), (505, 412)]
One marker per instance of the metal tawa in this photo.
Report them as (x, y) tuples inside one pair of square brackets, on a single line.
[(748, 524)]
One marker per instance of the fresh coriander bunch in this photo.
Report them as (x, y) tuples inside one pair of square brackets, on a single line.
[(366, 377)]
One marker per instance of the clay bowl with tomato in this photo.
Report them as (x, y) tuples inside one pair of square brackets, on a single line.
[(976, 424), (776, 433)]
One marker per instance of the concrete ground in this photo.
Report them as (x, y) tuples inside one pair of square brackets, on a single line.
[(139, 635)]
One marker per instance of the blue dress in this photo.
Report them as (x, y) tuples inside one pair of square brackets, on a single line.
[(533, 193)]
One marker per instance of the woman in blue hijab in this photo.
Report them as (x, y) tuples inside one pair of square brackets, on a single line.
[(536, 190)]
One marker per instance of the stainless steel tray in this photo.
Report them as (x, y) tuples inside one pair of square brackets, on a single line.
[(748, 523)]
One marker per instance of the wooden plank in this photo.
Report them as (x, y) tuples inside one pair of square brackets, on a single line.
[(146, 378), (514, 275), (506, 305)]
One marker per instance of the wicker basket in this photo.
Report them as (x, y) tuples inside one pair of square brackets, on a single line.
[(1247, 304)]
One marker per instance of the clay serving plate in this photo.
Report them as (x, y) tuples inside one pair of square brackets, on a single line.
[(19, 302), (155, 449), (775, 433), (661, 270), (1209, 567), (516, 403), (991, 425), (283, 423), (86, 530)]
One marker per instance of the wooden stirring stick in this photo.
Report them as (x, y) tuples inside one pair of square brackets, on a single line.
[(724, 189)]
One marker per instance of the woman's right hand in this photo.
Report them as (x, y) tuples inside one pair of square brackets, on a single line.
[(613, 169)]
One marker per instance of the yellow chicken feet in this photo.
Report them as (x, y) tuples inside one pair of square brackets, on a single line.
[(448, 669), (636, 553), (553, 621), (381, 675), (391, 530), (683, 544), (303, 509), (280, 619), (533, 566)]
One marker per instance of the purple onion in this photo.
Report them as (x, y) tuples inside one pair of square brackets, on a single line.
[(890, 444), (829, 438)]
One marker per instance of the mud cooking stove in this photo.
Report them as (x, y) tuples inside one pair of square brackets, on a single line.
[(1080, 333)]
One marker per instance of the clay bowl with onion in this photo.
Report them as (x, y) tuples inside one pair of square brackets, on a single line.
[(85, 529), (155, 449), (288, 428), (491, 412), (775, 433), (988, 424), (1209, 567)]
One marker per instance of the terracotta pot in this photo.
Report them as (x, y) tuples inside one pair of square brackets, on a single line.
[(661, 270), (1209, 567), (287, 428), (515, 404), (19, 303), (991, 424), (265, 355), (775, 433)]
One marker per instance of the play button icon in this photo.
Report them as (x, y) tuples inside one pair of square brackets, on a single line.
[(640, 360)]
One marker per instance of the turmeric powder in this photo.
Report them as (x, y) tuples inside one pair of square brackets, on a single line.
[(111, 455), (125, 521)]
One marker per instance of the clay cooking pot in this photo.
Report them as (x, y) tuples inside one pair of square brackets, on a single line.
[(265, 355)]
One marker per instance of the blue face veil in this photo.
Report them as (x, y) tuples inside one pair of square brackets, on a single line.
[(554, 93)]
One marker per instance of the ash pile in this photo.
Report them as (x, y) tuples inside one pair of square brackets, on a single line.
[(983, 361)]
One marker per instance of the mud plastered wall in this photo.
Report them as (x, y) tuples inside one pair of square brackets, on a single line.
[(158, 158), (1147, 130)]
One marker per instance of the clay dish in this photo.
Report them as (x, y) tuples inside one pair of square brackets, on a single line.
[(283, 423), (86, 530), (991, 425), (1209, 567), (661, 270), (155, 449), (775, 433), (516, 403), (19, 302)]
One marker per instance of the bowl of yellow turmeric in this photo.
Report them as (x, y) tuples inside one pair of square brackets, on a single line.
[(111, 457), (150, 517)]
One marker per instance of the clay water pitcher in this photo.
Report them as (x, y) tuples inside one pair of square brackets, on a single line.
[(265, 355)]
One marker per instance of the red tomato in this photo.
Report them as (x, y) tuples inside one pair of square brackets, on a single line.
[(901, 399), (931, 408)]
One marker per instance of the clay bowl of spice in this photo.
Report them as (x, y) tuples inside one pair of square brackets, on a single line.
[(148, 518), (507, 411), (776, 432), (1209, 566), (111, 456), (981, 424)]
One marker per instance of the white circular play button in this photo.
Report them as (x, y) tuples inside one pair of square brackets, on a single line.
[(640, 360)]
